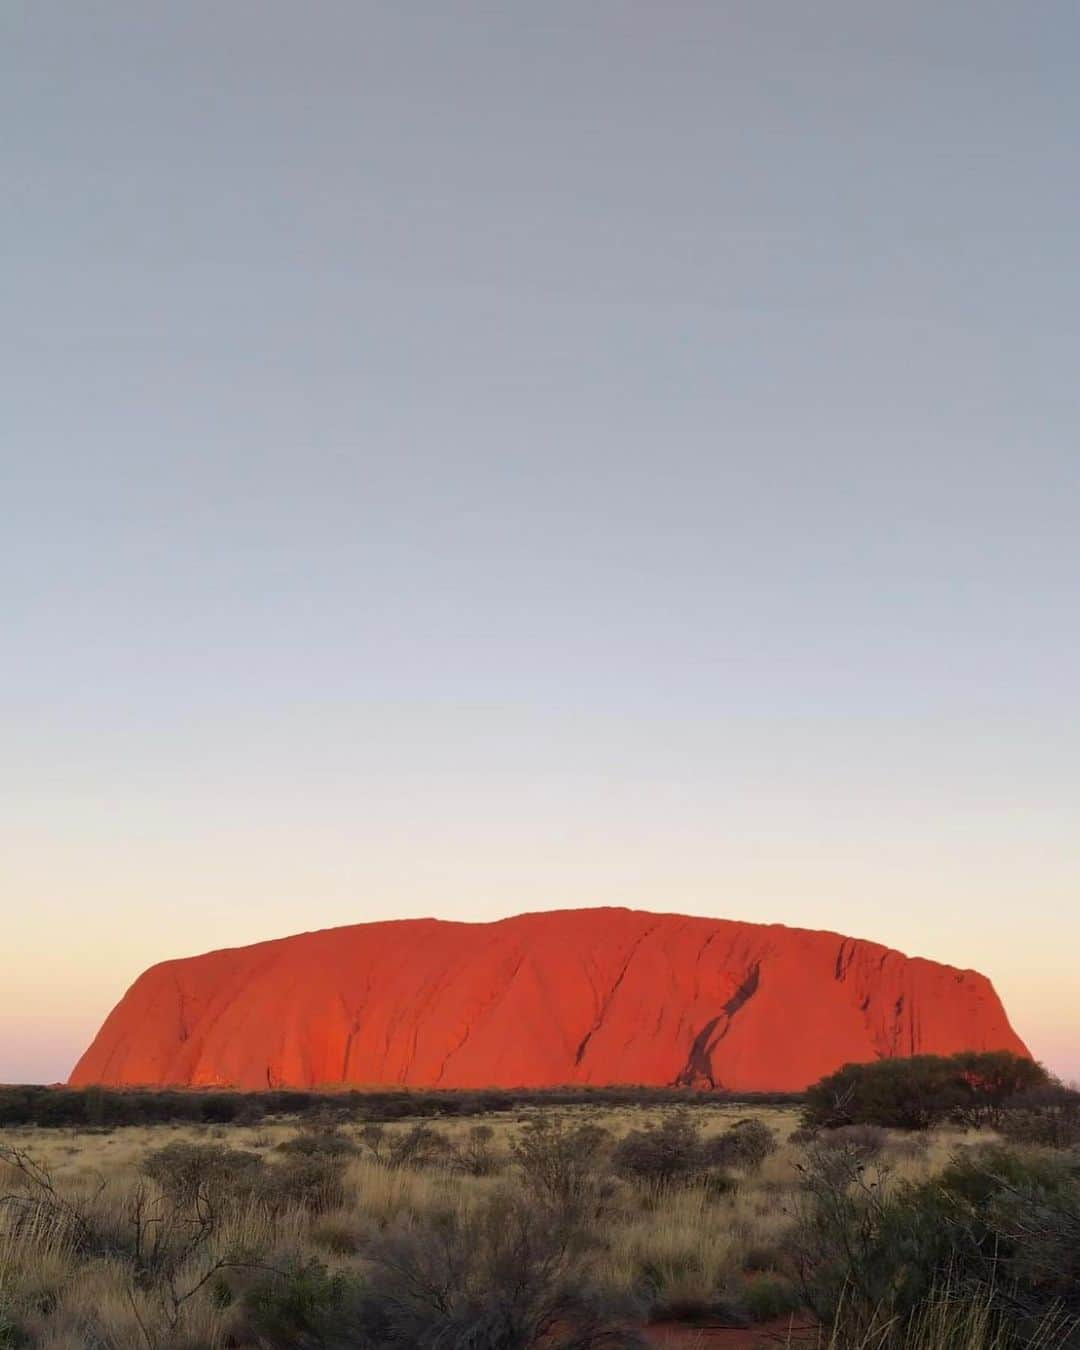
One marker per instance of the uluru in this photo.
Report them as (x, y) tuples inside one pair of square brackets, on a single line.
[(587, 996)]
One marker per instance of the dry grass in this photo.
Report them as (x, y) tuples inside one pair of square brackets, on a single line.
[(679, 1248)]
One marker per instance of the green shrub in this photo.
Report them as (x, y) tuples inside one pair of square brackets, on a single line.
[(417, 1148), (373, 1138), (476, 1155), (759, 1259), (768, 1297), (1048, 1116), (501, 1278), (319, 1140), (716, 1185), (560, 1163), (920, 1092), (302, 1305), (673, 1152), (745, 1145), (868, 1141), (995, 1225), (496, 1279), (12, 1336), (991, 1079), (341, 1233), (185, 1171), (311, 1181), (661, 1154)]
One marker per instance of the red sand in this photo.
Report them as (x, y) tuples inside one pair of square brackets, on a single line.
[(575, 996)]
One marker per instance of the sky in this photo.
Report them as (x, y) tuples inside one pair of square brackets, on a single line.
[(462, 459)]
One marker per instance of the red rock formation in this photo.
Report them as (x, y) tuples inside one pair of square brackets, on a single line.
[(577, 996)]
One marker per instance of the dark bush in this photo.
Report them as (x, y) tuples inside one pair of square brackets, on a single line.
[(311, 1181), (503, 1278), (663, 1154), (500, 1279), (319, 1139), (918, 1093), (805, 1134), (992, 1078), (560, 1164), (476, 1154), (673, 1151), (12, 1336), (866, 1141), (342, 1233), (1048, 1116), (906, 1094), (762, 1259), (419, 1147), (745, 1145), (184, 1171), (767, 1297), (995, 1227), (717, 1184), (303, 1305), (373, 1138)]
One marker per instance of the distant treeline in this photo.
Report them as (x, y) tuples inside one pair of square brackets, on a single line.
[(103, 1107)]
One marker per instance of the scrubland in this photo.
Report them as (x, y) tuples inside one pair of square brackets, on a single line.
[(574, 1226)]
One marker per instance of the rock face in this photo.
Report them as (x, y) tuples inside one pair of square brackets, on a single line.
[(577, 996)]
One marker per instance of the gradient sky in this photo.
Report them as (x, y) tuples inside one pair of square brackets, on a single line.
[(462, 459)]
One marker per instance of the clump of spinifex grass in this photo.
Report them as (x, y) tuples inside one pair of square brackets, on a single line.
[(948, 1319)]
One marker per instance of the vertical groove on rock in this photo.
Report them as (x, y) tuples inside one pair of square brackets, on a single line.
[(699, 1068), (580, 1054)]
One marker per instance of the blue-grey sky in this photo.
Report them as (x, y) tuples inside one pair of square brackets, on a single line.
[(462, 459)]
